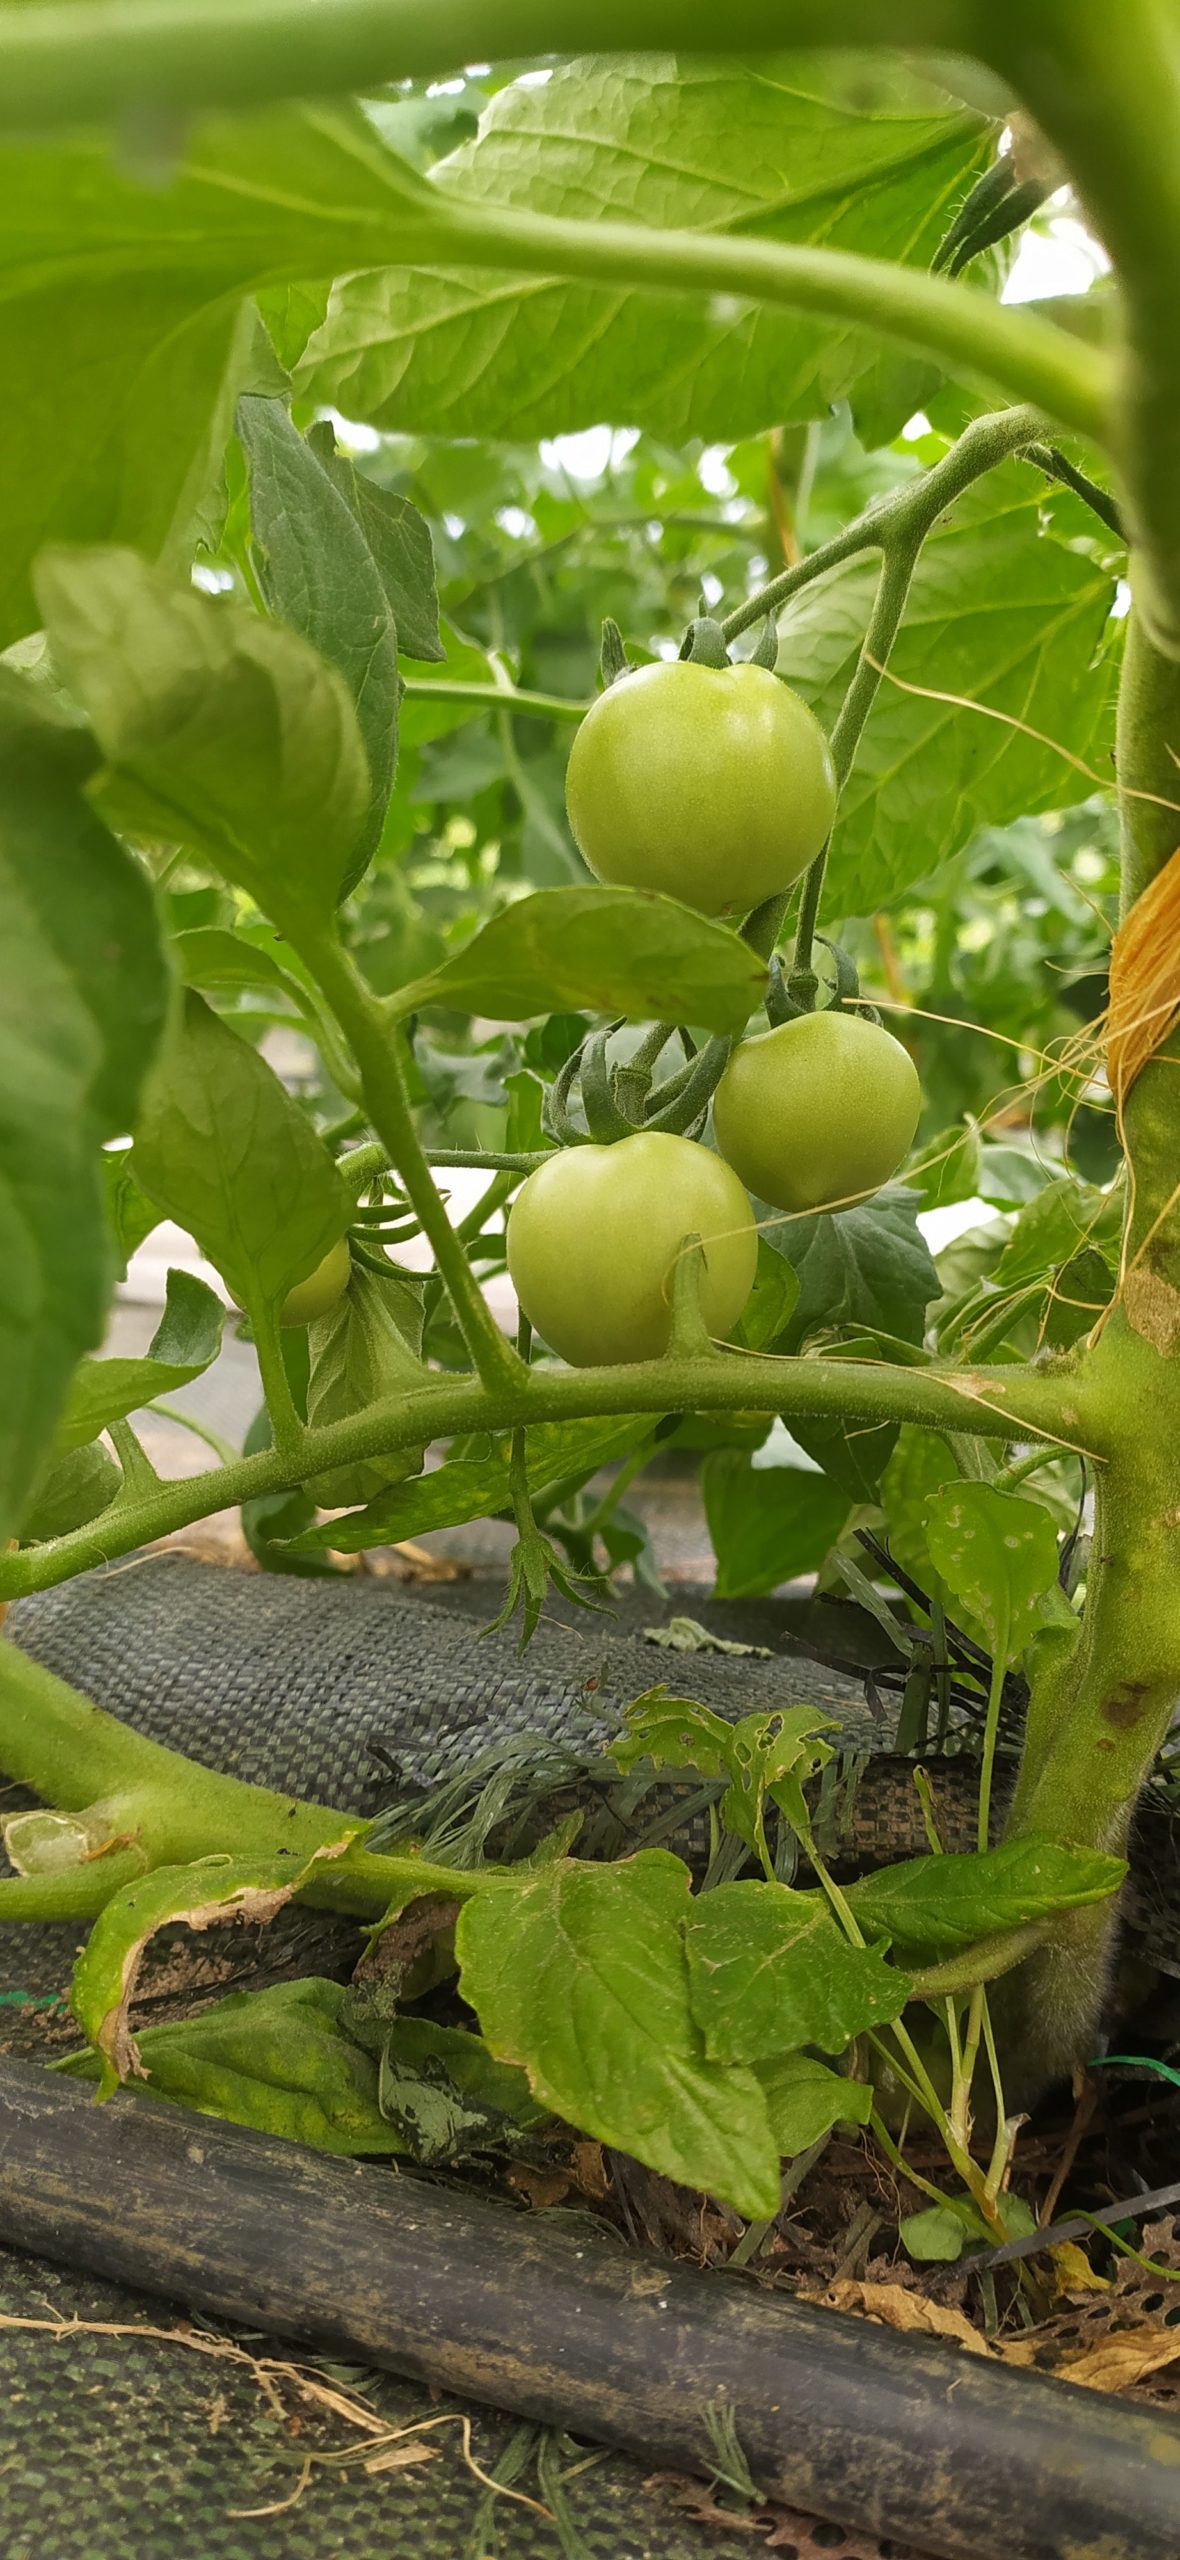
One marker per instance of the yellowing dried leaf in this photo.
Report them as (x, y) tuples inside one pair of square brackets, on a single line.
[(1114, 2363), (897, 2308), (1144, 979), (400, 2457), (1073, 2271)]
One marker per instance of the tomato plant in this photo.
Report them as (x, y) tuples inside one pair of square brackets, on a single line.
[(819, 1112), (311, 539), (593, 1241), (713, 783)]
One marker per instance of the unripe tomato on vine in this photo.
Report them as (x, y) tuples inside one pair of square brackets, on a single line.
[(821, 1110), (318, 1294), (714, 784), (593, 1240)]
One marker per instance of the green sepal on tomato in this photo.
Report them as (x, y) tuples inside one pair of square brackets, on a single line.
[(818, 1113), (593, 1239), (714, 784)]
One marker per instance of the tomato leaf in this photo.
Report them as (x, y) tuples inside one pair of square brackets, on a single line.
[(72, 1491), (579, 1976), (473, 1488), (998, 1553), (222, 731), (227, 1153), (446, 2096), (806, 2100), (767, 1524), (621, 951), (782, 148), (940, 1905), (276, 2059), (770, 1970), (399, 539), (185, 1343), (1001, 613), (365, 1348), (318, 574), (867, 1266), (83, 991)]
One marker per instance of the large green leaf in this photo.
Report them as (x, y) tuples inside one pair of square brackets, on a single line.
[(789, 149), (399, 539), (998, 1553), (806, 2099), (318, 574), (580, 1977), (83, 990), (125, 334), (1001, 613), (221, 730), (229, 1155), (622, 951), (771, 1970)]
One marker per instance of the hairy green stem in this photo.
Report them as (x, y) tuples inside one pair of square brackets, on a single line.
[(81, 60), (1001, 1404), (1104, 84), (988, 342)]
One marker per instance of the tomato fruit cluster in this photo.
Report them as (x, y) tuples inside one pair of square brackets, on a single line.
[(594, 1235), (713, 784), (821, 1111)]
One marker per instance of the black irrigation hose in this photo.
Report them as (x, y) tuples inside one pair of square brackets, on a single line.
[(893, 2435)]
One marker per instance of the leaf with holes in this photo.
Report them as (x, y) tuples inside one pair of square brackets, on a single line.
[(998, 1554)]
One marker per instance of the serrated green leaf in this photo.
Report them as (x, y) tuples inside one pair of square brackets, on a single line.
[(623, 951), (221, 731), (771, 1970), (941, 1905), (579, 1976), (318, 575), (185, 1343), (789, 148), (1000, 613), (767, 1524), (1064, 1218), (806, 2100), (228, 1154)]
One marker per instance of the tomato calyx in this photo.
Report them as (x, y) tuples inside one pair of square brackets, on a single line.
[(617, 1097)]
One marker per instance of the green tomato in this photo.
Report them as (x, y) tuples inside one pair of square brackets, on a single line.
[(819, 1112), (712, 783), (316, 1295), (594, 1235)]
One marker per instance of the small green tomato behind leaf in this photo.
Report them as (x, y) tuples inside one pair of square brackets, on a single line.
[(593, 1239), (318, 1294), (821, 1111), (713, 784)]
